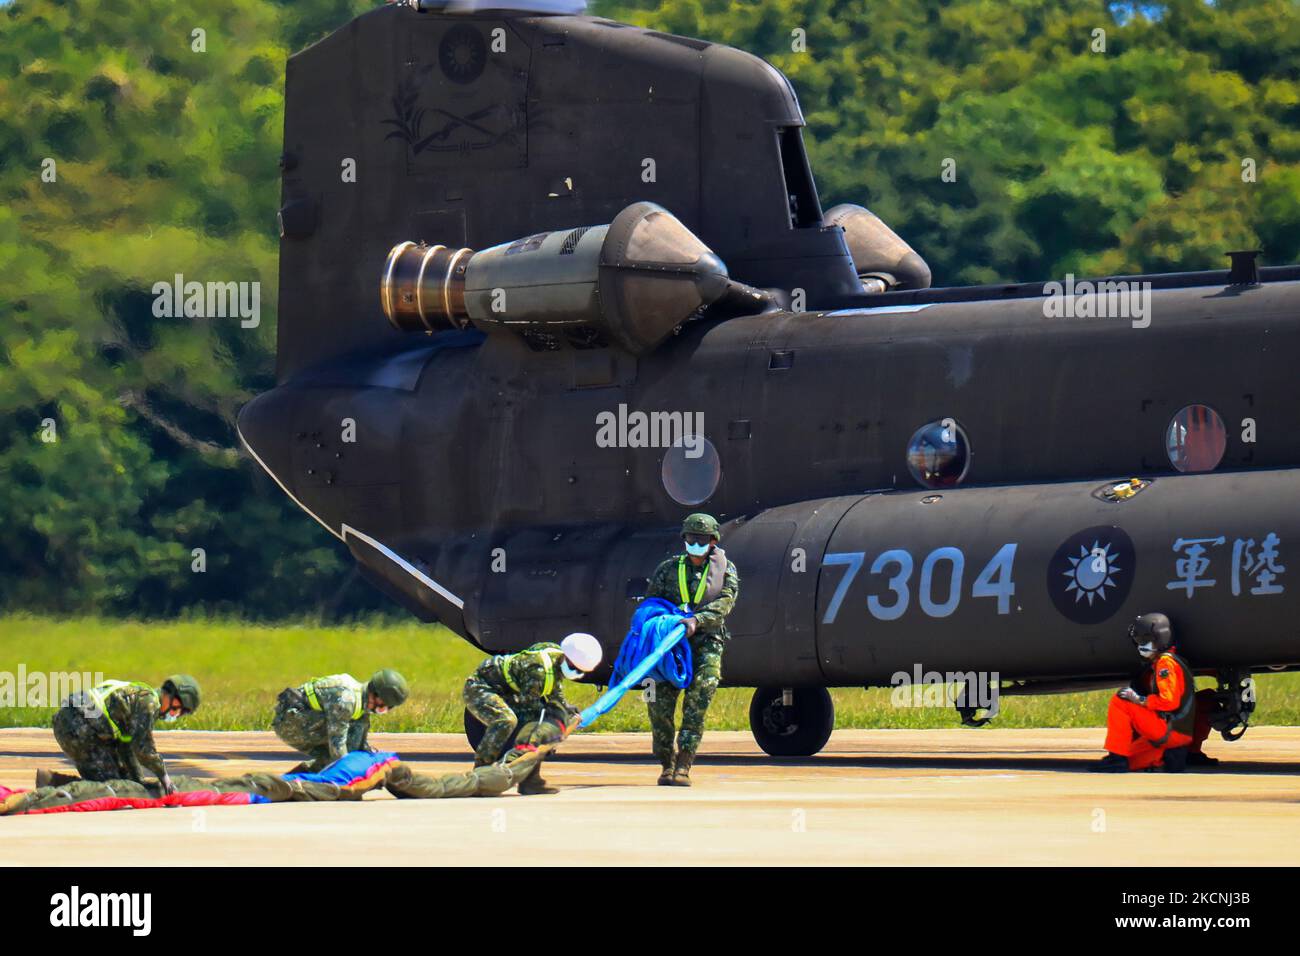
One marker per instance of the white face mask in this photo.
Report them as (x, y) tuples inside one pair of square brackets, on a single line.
[(569, 671), (1147, 650), (170, 717), (697, 550)]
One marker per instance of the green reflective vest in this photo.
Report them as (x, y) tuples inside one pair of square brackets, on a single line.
[(548, 656), (102, 692), (335, 680), (687, 602)]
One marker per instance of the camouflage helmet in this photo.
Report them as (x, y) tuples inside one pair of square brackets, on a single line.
[(186, 689), (389, 686), (700, 523)]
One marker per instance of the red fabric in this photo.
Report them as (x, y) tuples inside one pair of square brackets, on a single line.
[(195, 798)]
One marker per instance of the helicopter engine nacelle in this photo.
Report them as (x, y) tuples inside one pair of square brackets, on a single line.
[(631, 281), (884, 261)]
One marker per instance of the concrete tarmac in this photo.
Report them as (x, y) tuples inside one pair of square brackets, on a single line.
[(963, 797)]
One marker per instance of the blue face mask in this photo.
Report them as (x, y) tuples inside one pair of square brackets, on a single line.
[(697, 550)]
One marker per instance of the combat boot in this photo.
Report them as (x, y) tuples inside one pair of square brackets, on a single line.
[(1111, 763), (53, 778), (1198, 759), (1175, 759), (682, 772), (666, 774), (533, 784)]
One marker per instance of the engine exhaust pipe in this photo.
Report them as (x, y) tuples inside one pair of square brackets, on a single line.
[(423, 287)]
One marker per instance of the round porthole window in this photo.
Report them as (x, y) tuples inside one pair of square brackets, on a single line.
[(691, 471), (1196, 439), (938, 456)]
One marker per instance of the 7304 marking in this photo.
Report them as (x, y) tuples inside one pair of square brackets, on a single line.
[(896, 566)]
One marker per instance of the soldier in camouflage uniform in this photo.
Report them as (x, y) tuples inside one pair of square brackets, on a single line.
[(328, 717), (704, 582), (107, 730), (527, 687)]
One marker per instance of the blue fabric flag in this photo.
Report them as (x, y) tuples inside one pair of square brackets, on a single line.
[(348, 769), (653, 648), (651, 623)]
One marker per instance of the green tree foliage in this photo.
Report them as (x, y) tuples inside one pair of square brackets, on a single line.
[(117, 454), (1067, 158)]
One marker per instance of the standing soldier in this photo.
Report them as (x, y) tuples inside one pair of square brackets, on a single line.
[(328, 717), (705, 584), (510, 689), (1152, 722), (107, 730)]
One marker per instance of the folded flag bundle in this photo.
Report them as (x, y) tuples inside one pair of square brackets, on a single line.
[(653, 649)]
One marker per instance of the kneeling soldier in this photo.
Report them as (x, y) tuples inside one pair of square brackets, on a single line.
[(512, 688), (328, 717), (107, 731)]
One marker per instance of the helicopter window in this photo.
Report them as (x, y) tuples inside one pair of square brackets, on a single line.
[(1196, 439), (691, 471), (801, 192), (938, 456)]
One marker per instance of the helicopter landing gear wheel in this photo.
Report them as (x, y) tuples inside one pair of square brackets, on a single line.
[(474, 731), (792, 722)]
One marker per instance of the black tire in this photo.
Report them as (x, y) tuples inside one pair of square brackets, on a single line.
[(474, 730), (799, 730)]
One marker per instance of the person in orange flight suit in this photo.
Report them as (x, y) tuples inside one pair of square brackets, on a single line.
[(1152, 722)]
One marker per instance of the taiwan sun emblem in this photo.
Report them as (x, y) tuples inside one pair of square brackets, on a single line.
[(1090, 575)]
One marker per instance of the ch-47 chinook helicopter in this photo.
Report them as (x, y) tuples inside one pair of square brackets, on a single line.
[(581, 284)]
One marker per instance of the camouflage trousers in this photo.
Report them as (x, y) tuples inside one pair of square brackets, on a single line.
[(302, 729), (96, 759), (498, 714), (706, 654)]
